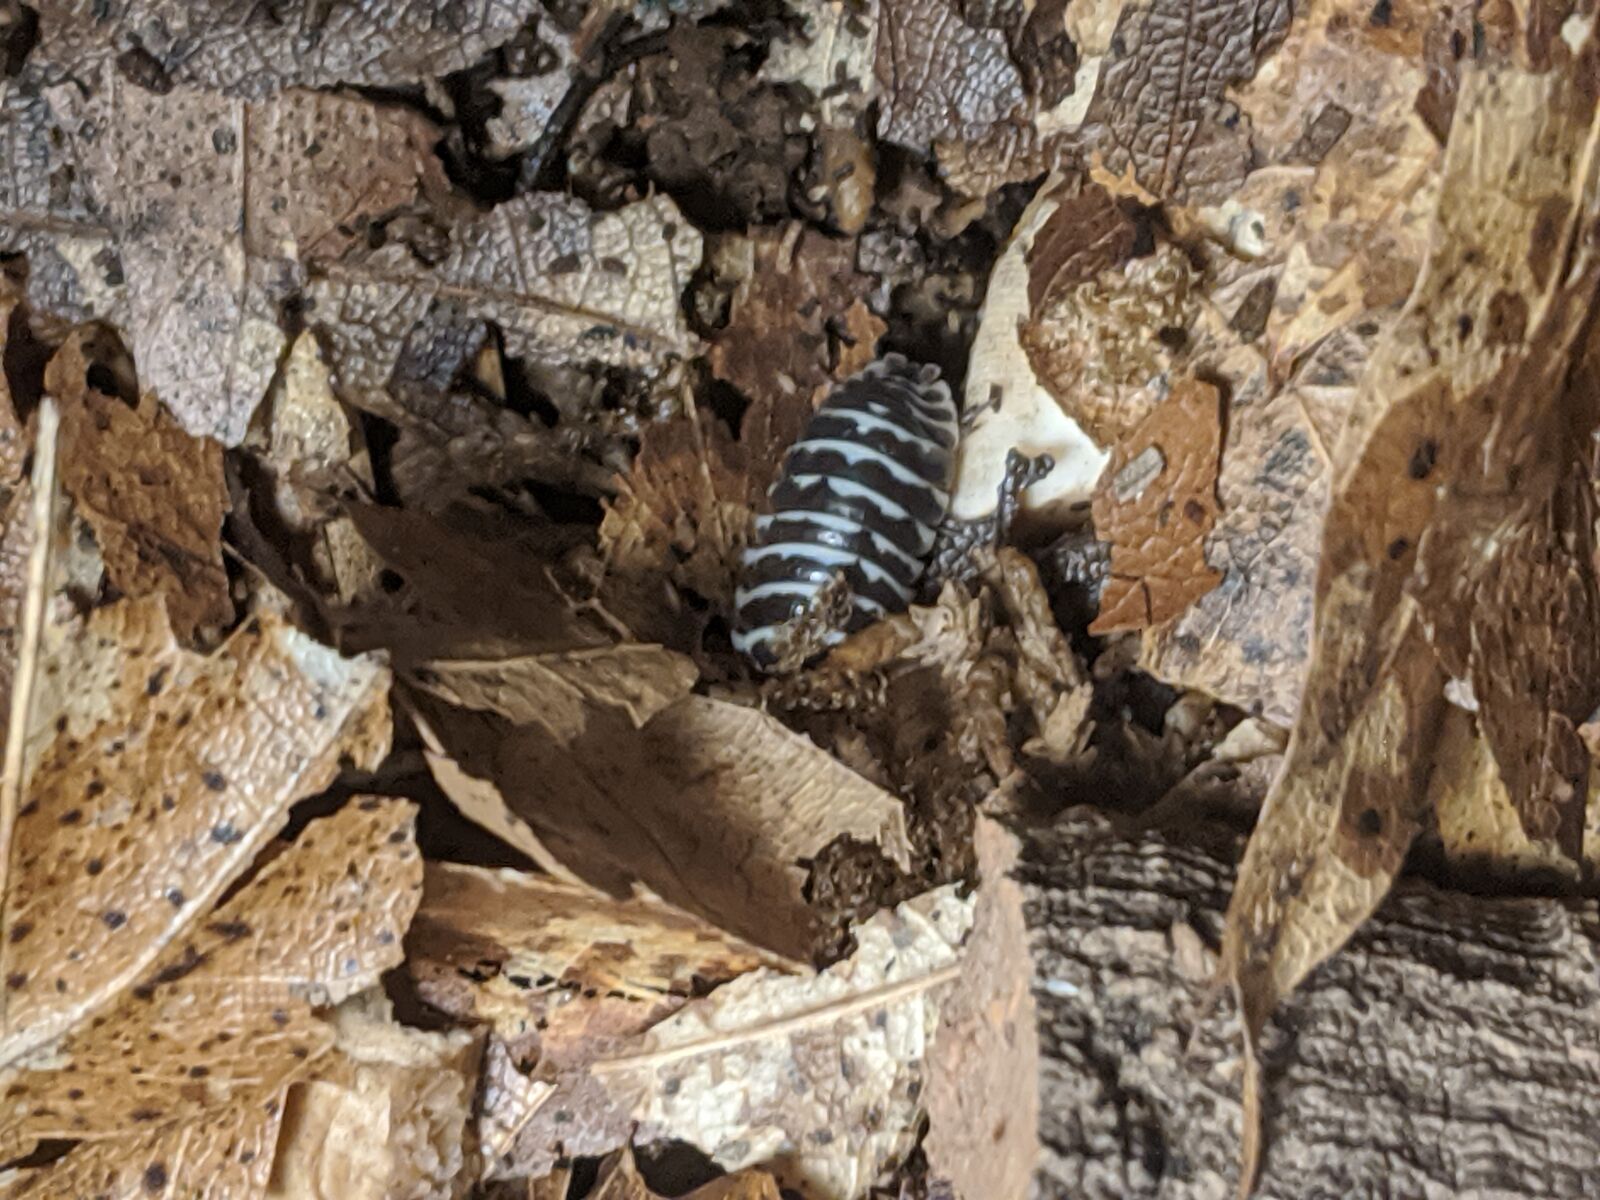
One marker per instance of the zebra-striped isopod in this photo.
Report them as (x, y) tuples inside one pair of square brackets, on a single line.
[(861, 494)]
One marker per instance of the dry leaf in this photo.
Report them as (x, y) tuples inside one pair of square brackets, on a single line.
[(1317, 250), (153, 495), (613, 803), (1456, 487), (1156, 504), (194, 759), (246, 194), (563, 284), (225, 1017), (1161, 109), (1007, 406), (799, 321), (938, 77), (832, 55), (230, 47), (818, 1079), (391, 1122)]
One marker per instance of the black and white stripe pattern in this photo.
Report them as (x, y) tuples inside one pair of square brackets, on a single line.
[(862, 492)]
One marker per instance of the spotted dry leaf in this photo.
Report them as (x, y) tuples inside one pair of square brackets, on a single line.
[(831, 53), (1162, 110), (228, 1153), (227, 1014), (154, 778), (153, 495), (818, 1077), (799, 320), (1156, 503), (1458, 505), (241, 196), (230, 47)]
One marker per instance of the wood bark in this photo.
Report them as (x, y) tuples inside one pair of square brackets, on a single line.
[(1451, 1049)]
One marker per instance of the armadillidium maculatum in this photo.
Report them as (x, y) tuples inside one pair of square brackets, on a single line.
[(861, 494)]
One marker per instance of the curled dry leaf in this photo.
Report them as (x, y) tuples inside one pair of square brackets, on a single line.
[(230, 48), (389, 1119), (247, 980), (818, 1077), (248, 195), (153, 495), (1459, 500), (1008, 405), (1157, 501), (198, 758)]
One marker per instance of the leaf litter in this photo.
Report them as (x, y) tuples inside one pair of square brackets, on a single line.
[(386, 402)]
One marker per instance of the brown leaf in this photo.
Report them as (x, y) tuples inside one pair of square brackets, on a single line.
[(560, 281), (198, 758), (263, 189), (1161, 108), (226, 1013), (390, 1120), (153, 495), (1156, 503), (796, 298), (226, 1153), (612, 804), (1456, 489)]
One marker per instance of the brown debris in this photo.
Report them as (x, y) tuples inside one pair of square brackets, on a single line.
[(153, 495), (1156, 504)]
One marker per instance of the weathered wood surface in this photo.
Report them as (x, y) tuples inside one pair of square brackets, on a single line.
[(1452, 1049)]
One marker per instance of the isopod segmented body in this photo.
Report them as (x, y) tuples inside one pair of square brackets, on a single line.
[(862, 493)]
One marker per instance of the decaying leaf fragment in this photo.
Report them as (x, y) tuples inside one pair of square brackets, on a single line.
[(194, 760), (388, 1119), (1161, 110), (1156, 503), (225, 1018), (817, 1077), (1463, 495), (153, 495), (799, 320)]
